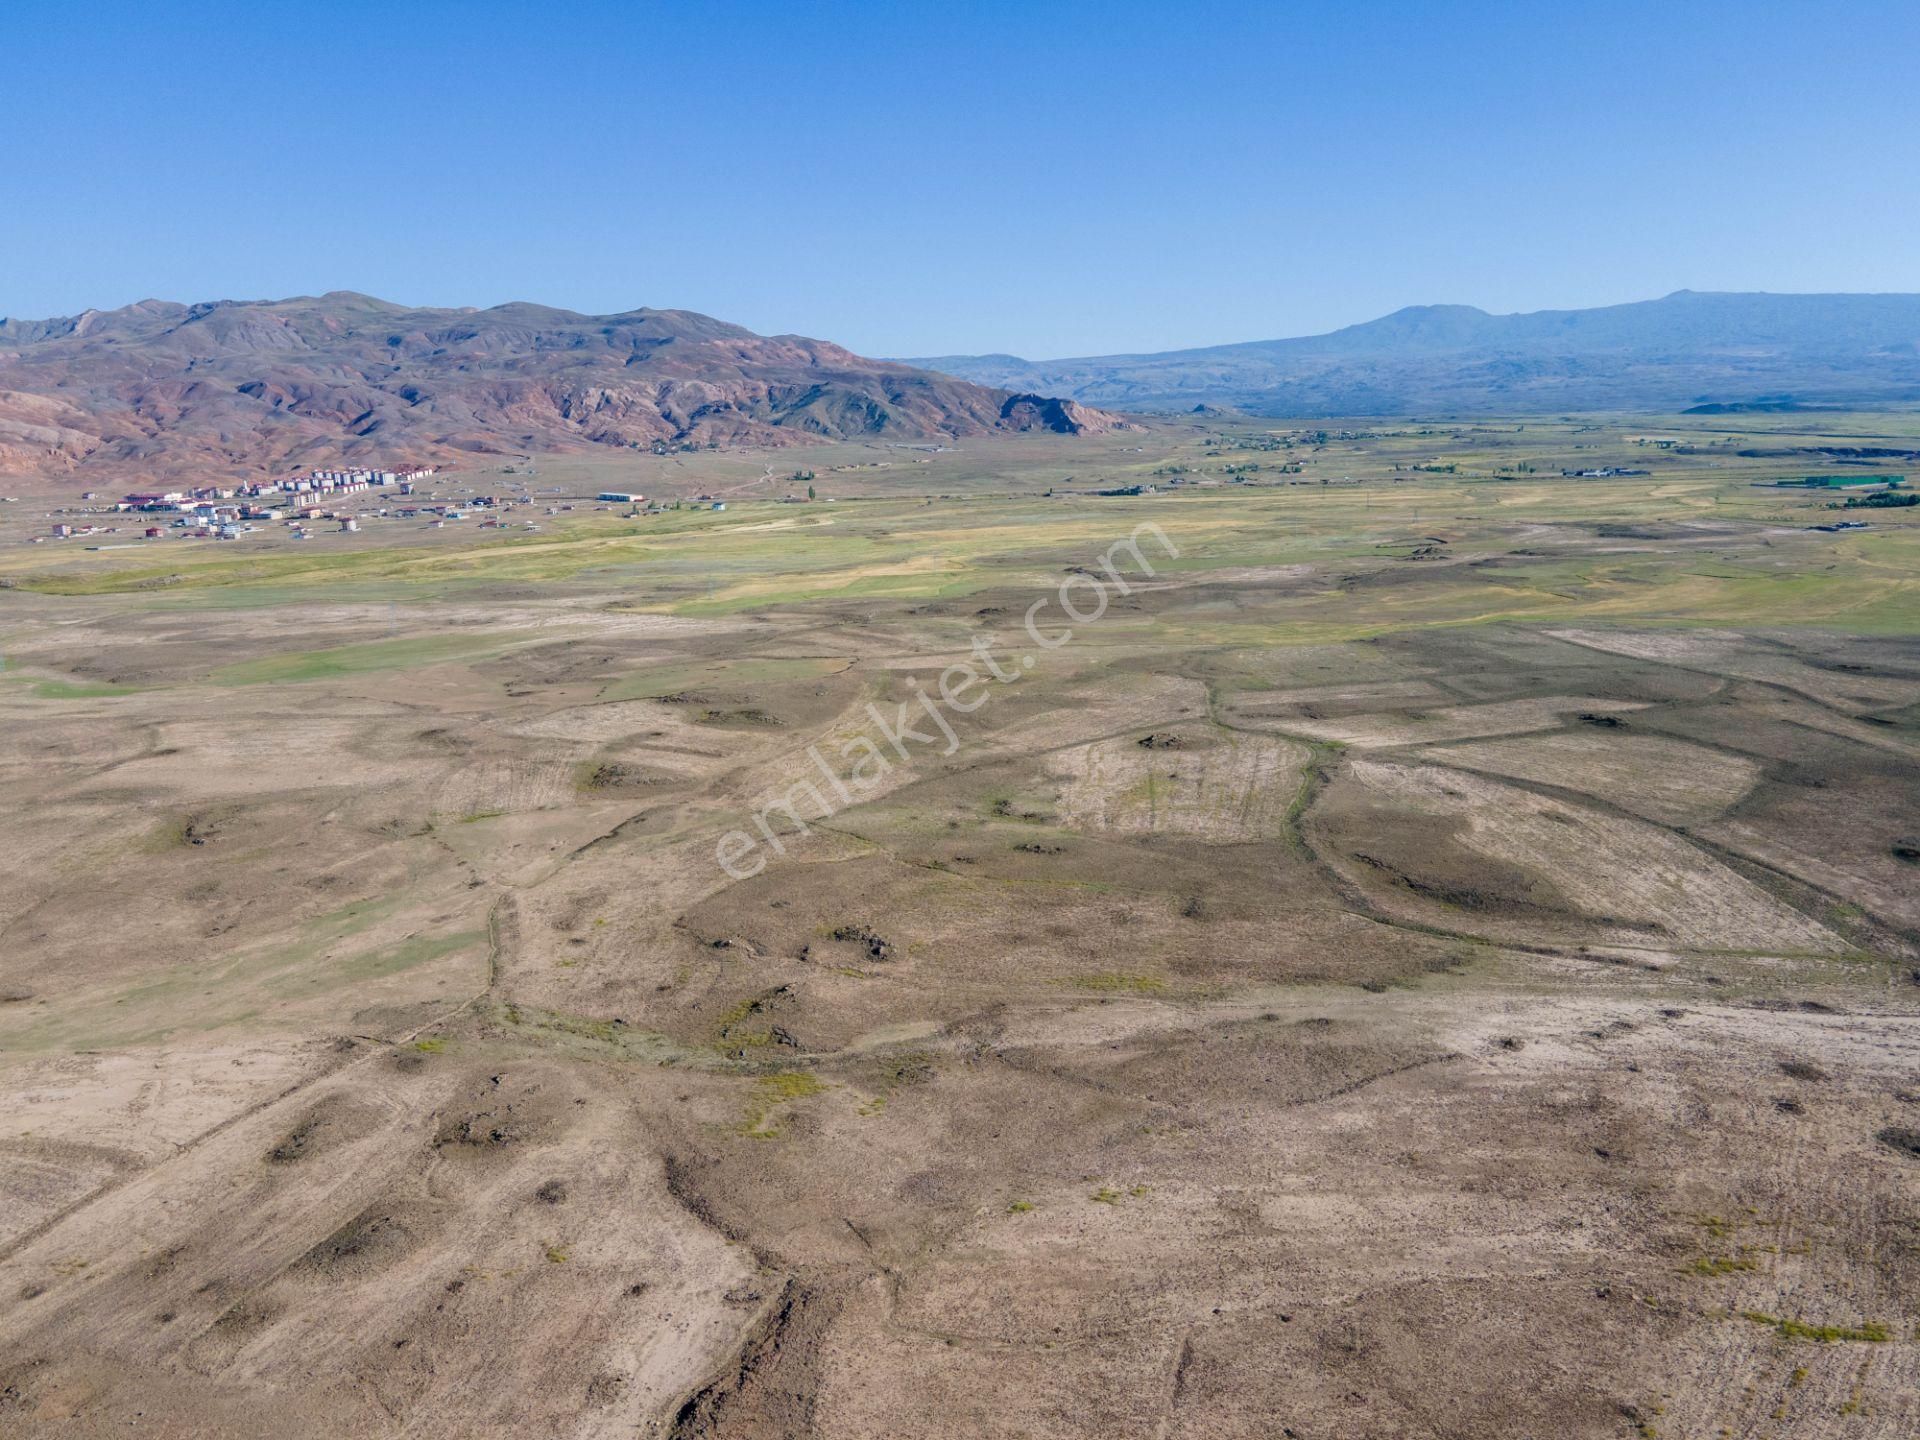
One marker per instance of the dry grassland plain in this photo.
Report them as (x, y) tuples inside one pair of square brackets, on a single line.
[(1439, 957)]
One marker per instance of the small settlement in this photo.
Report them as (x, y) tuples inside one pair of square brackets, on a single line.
[(344, 499), (225, 512)]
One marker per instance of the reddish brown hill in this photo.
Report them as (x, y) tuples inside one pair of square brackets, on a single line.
[(237, 387)]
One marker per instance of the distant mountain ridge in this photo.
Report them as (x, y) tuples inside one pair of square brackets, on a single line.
[(238, 387), (1686, 349)]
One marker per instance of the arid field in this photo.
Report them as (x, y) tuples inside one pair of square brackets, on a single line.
[(1436, 954)]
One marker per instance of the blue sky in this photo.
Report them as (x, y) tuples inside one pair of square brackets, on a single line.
[(920, 179)]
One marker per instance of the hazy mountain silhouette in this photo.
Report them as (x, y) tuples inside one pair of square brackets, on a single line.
[(1686, 349)]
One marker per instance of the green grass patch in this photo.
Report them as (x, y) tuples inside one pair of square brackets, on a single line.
[(658, 680), (1870, 1331), (1722, 1264), (326, 954), (760, 1120), (376, 964), (1113, 981), (369, 658), (68, 689)]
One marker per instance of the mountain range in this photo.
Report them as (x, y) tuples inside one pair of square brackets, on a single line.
[(238, 387), (1688, 349), (247, 387)]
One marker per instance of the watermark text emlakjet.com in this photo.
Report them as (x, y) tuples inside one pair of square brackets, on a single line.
[(866, 759)]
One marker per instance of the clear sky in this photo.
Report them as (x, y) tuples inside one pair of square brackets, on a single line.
[(923, 178)]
